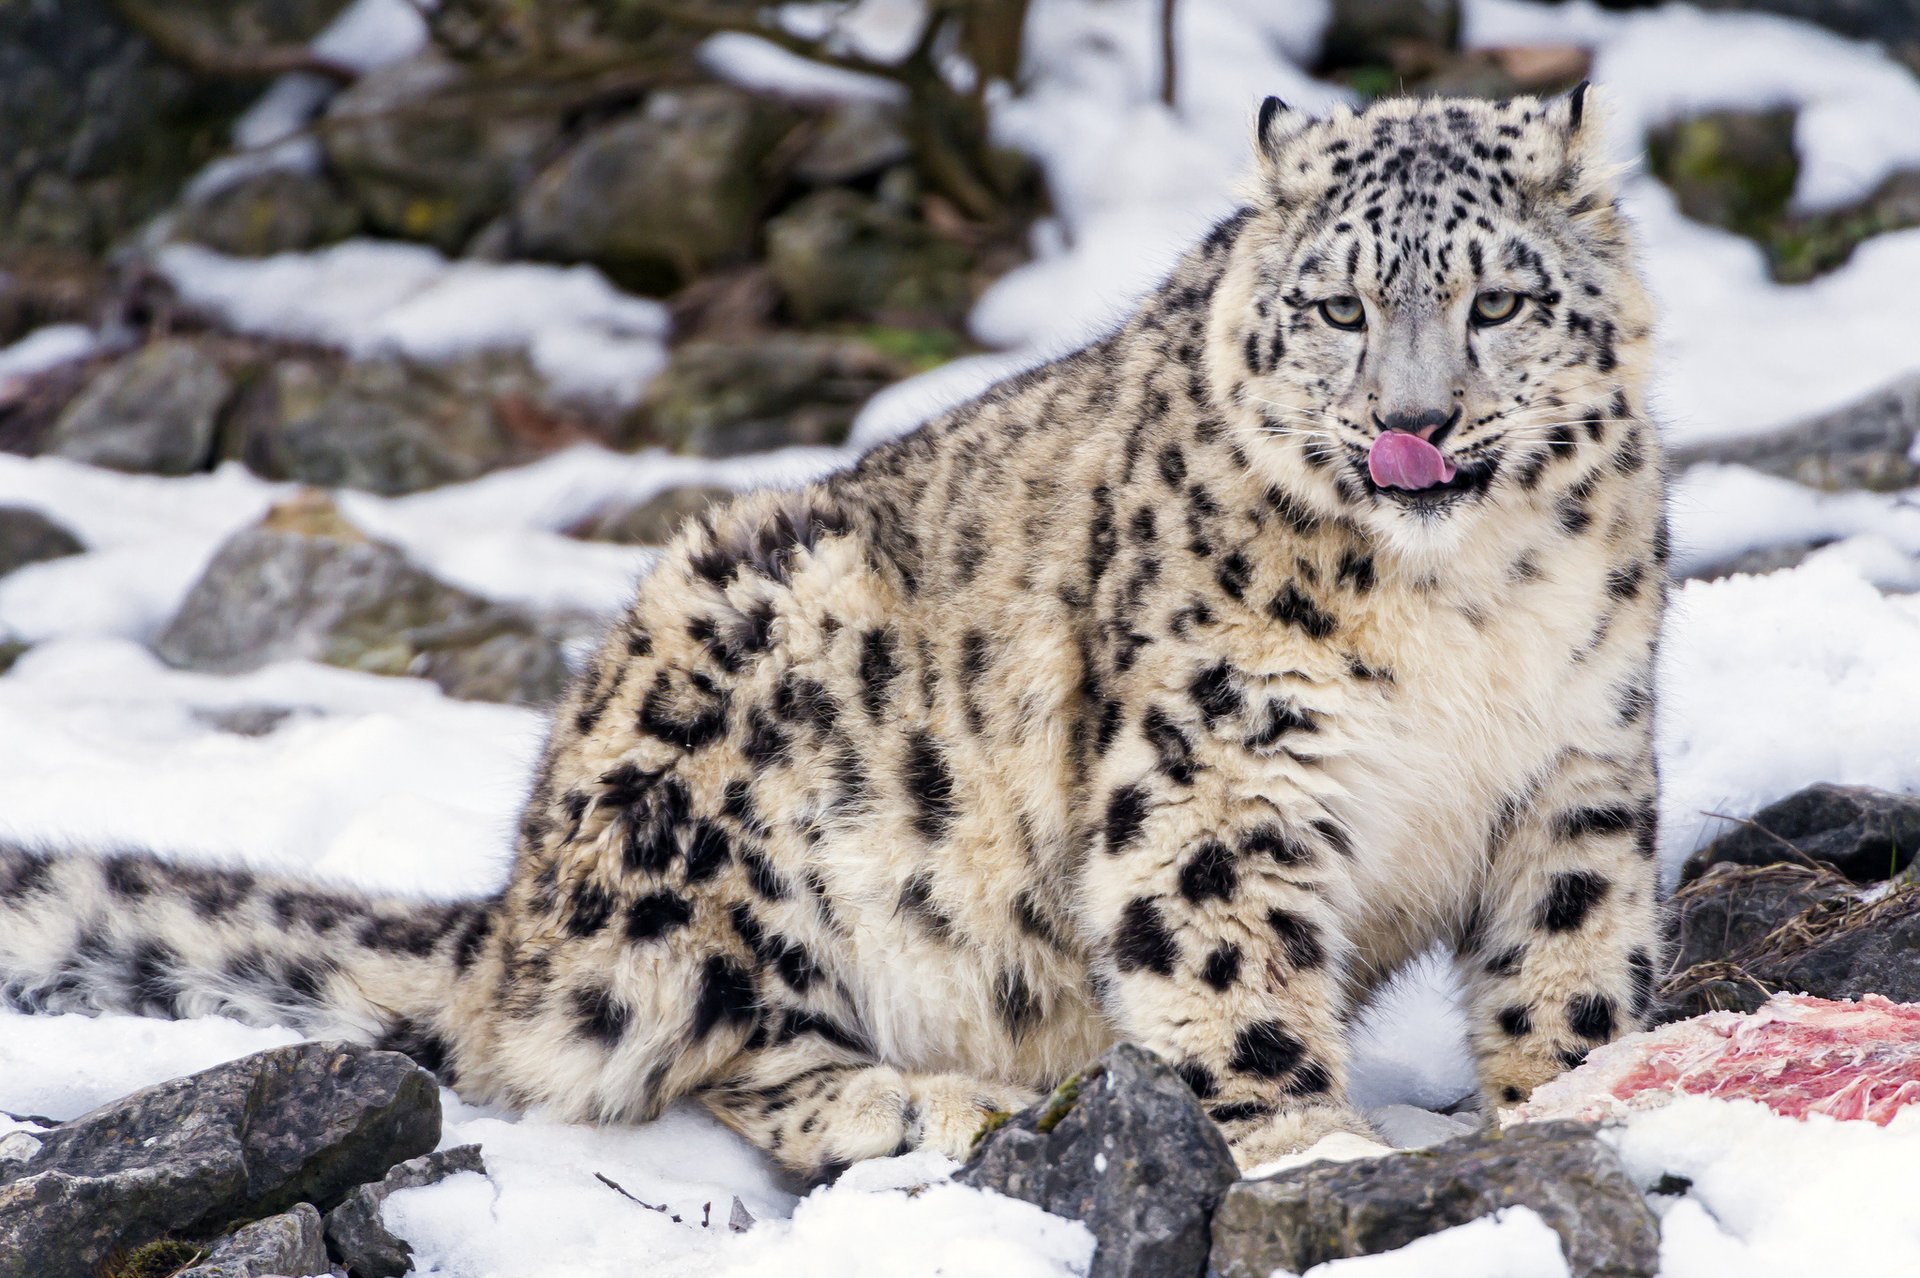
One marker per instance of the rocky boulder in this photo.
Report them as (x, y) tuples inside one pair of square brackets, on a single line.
[(154, 412), (361, 1240), (307, 585), (1865, 833), (1125, 1148), (432, 150), (293, 1125), (290, 1244), (29, 537), (387, 425), (1870, 443), (655, 197), (718, 399), (1328, 1211)]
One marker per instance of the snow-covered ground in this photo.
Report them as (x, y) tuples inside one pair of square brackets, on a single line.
[(1768, 683)]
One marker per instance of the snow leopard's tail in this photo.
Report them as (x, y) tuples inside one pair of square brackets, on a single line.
[(131, 933)]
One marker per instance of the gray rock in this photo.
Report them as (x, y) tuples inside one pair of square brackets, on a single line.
[(360, 1239), (1867, 444), (1846, 943), (386, 425), (290, 1245), (840, 255), (656, 197), (718, 399), (1865, 833), (298, 1124), (274, 212), (1368, 31), (432, 151), (1331, 1211), (1126, 1149), (651, 522), (29, 537), (152, 413), (306, 585), (11, 650)]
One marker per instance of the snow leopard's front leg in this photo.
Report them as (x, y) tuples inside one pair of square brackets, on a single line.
[(1221, 949), (1560, 953)]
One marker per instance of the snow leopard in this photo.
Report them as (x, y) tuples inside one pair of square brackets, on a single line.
[(1177, 691)]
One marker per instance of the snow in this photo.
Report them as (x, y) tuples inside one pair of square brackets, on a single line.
[(42, 349), (1775, 1197), (372, 297), (1511, 1243), (1772, 683)]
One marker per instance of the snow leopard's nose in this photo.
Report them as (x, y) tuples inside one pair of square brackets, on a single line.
[(1430, 424)]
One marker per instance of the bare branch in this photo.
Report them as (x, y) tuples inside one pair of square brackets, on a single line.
[(179, 45), (1168, 62), (746, 23)]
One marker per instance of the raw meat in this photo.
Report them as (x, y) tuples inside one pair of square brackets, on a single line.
[(1796, 1055)]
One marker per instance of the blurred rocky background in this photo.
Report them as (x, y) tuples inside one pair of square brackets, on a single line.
[(758, 261)]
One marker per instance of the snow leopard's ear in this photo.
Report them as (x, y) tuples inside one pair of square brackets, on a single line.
[(1276, 126), (1577, 165)]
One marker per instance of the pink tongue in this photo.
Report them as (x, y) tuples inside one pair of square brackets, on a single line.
[(1400, 460)]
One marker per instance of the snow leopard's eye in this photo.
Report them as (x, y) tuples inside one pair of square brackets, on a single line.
[(1344, 312), (1495, 306)]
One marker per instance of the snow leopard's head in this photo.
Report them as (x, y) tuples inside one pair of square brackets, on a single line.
[(1432, 308)]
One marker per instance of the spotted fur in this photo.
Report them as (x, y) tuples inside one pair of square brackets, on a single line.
[(1117, 703)]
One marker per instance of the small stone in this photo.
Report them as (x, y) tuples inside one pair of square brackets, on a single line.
[(357, 1235), (1126, 1149), (250, 720), (739, 1219), (1329, 1211), (29, 537), (298, 1124), (152, 413), (651, 522), (289, 1245)]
